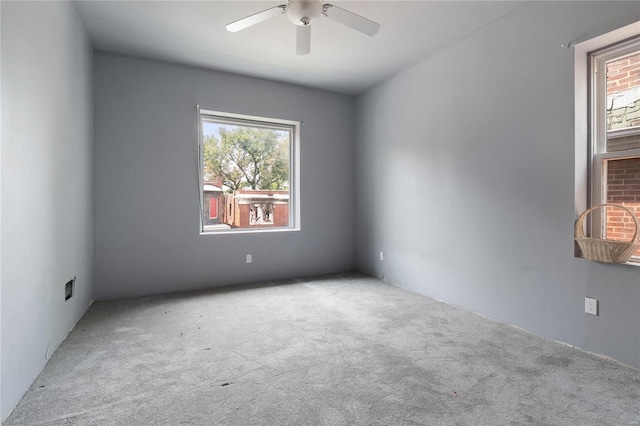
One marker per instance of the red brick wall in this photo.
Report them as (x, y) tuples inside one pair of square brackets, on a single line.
[(281, 215), (623, 177), (242, 216), (623, 74)]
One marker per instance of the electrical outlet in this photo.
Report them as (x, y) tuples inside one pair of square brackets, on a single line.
[(381, 255), (249, 258), (591, 306)]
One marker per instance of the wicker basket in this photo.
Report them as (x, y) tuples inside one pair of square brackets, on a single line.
[(606, 250)]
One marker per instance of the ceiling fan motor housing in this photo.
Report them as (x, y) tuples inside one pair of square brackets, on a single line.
[(302, 12)]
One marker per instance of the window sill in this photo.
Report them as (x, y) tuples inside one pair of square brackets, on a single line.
[(629, 263), (249, 231)]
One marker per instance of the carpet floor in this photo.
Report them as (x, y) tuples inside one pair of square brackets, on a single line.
[(339, 350)]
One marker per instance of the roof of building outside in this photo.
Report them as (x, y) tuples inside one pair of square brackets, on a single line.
[(211, 188)]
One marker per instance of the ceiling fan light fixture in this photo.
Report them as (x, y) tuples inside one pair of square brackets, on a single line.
[(302, 12)]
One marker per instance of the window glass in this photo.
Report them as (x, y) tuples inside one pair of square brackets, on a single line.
[(623, 187), (246, 167), (623, 102)]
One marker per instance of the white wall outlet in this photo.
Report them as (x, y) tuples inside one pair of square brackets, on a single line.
[(591, 306), (249, 258), (381, 255)]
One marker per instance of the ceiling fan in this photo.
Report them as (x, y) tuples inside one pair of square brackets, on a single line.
[(301, 13)]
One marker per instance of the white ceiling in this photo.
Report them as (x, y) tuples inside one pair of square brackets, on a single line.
[(341, 59)]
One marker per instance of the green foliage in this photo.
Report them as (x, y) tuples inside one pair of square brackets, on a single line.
[(248, 158)]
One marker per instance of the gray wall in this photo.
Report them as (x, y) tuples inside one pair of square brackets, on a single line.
[(146, 190), (47, 235), (465, 179)]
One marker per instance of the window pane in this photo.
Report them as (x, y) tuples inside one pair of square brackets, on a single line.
[(623, 102), (623, 187), (250, 164)]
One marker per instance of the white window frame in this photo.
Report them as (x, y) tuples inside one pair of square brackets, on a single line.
[(590, 134), (294, 165)]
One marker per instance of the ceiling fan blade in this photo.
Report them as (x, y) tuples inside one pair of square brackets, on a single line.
[(303, 40), (350, 19), (256, 18)]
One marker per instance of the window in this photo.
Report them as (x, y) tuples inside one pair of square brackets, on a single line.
[(261, 214), (213, 208), (248, 165), (615, 138)]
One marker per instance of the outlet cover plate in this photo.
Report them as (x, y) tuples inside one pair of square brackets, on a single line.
[(591, 306)]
